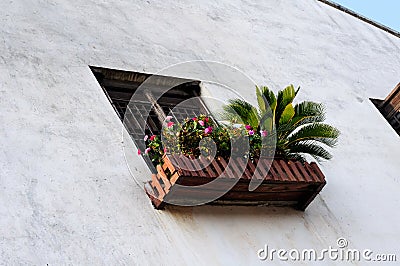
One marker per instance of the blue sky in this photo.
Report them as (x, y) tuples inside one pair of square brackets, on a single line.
[(386, 12)]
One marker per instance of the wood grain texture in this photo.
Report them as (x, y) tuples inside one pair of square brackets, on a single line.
[(290, 182)]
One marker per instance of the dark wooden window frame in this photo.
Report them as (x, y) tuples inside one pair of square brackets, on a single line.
[(390, 108), (120, 85)]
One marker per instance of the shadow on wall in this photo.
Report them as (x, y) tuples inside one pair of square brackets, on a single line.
[(218, 211), (253, 226)]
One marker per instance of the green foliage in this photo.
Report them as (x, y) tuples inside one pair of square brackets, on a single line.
[(294, 130), (202, 136), (298, 129), (239, 111)]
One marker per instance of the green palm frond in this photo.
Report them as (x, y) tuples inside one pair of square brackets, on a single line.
[(308, 112), (285, 97), (239, 111), (287, 114), (267, 95), (295, 156), (311, 148), (267, 105), (305, 112), (261, 99), (297, 129), (316, 131)]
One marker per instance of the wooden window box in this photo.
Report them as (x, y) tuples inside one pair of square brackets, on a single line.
[(288, 183)]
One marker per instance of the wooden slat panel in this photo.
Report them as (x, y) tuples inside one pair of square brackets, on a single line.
[(391, 116), (228, 171), (217, 167), (174, 178), (169, 164), (156, 184), (200, 171), (303, 171), (158, 204), (268, 170), (287, 170), (164, 178), (243, 165), (311, 172), (187, 165), (395, 92), (273, 173), (295, 183), (282, 175), (250, 167), (177, 164), (237, 169), (208, 169), (296, 172), (318, 171), (256, 172)]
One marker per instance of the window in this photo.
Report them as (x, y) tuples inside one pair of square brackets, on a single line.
[(119, 87), (390, 108)]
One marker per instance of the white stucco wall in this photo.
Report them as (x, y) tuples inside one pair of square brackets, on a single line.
[(66, 195)]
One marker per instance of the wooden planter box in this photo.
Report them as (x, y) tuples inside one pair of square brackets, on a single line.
[(287, 183)]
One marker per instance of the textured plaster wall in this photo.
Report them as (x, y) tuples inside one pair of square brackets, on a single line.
[(66, 194)]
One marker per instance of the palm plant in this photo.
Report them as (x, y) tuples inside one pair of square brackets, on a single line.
[(296, 128)]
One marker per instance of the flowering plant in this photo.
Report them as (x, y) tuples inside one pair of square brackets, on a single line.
[(201, 135)]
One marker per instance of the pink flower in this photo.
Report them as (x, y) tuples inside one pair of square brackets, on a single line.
[(165, 150), (206, 119), (208, 130), (168, 118), (201, 122), (170, 124), (194, 119), (152, 137), (138, 152), (251, 132), (145, 138), (147, 150), (263, 133), (248, 127)]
